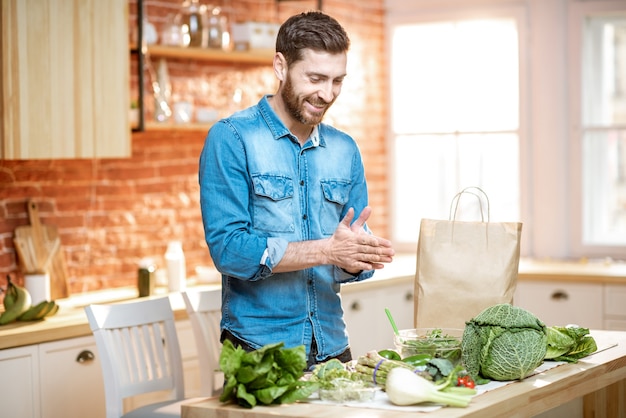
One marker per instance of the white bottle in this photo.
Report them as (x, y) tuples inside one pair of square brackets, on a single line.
[(176, 270)]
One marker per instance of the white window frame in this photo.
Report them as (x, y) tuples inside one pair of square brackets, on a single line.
[(577, 13)]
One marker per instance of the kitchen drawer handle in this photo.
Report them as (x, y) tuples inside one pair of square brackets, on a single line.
[(85, 356), (408, 296), (559, 295), (356, 306)]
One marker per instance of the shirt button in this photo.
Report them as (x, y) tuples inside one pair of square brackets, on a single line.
[(304, 217), (301, 182), (311, 314), (310, 282)]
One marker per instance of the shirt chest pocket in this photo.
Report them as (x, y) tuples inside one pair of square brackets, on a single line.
[(336, 194), (273, 203)]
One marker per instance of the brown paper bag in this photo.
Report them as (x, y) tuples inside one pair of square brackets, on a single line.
[(464, 267)]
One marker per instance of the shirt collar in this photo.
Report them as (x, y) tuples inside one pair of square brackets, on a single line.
[(315, 136), (277, 127)]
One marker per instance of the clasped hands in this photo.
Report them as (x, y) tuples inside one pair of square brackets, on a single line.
[(353, 249)]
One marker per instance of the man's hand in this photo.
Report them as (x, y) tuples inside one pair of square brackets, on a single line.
[(349, 248), (353, 249)]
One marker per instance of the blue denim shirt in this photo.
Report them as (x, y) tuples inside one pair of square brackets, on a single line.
[(260, 190)]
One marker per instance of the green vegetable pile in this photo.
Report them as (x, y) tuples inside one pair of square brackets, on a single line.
[(270, 375), (503, 342), (374, 367), (435, 380)]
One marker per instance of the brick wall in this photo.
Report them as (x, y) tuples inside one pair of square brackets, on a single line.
[(110, 213)]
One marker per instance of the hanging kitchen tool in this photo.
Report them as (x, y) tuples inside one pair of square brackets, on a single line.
[(39, 248)]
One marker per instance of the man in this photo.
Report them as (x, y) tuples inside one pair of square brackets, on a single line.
[(279, 194)]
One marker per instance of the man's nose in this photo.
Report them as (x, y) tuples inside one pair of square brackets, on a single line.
[(326, 92)]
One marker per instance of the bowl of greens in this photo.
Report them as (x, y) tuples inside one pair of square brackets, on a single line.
[(430, 343)]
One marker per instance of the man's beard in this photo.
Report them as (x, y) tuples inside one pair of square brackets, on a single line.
[(296, 108)]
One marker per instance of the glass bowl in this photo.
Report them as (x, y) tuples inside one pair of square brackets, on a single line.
[(346, 390), (433, 342)]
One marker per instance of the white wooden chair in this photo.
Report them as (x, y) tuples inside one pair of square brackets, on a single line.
[(140, 354), (204, 310)]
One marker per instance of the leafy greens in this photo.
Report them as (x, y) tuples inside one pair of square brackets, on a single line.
[(569, 343), (269, 375)]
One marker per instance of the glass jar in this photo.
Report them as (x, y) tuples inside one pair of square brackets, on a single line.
[(218, 35), (193, 23), (172, 34)]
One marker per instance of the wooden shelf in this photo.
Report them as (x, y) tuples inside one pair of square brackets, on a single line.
[(216, 55), (168, 126)]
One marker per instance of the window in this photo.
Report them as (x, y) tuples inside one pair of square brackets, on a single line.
[(599, 124), (525, 101), (455, 98), (604, 144)]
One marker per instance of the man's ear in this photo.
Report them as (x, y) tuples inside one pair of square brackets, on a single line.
[(280, 66)]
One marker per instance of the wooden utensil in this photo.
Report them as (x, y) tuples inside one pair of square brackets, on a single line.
[(40, 249), (37, 234)]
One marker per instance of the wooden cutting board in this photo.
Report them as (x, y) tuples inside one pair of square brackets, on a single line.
[(39, 247)]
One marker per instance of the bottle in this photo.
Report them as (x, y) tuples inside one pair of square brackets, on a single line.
[(176, 269), (146, 277)]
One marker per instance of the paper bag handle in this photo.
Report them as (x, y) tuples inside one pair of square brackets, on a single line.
[(468, 190)]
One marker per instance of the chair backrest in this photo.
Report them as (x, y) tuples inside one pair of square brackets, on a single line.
[(204, 310), (138, 348)]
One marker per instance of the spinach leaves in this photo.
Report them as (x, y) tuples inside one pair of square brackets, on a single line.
[(269, 375)]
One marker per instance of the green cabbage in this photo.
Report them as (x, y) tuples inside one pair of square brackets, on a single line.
[(503, 342)]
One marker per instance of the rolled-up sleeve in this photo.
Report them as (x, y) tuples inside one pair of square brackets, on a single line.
[(224, 201), (274, 252)]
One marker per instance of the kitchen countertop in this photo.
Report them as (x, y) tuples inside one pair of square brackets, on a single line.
[(583, 270), (599, 378), (71, 321)]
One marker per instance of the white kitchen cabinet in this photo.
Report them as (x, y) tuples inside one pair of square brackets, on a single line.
[(615, 307), (64, 79), (19, 391), (364, 313), (563, 303), (70, 379), (48, 380)]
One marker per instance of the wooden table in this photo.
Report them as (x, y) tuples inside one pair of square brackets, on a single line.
[(600, 379)]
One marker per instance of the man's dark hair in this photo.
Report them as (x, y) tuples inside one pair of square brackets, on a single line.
[(310, 30)]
